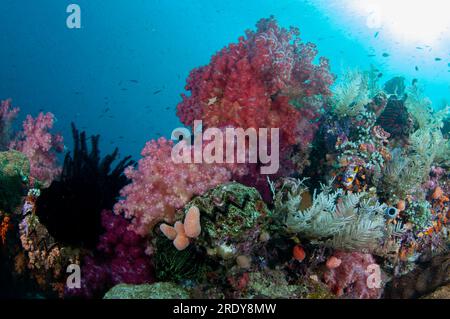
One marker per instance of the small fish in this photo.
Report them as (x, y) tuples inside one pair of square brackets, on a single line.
[(106, 110), (157, 92), (385, 55), (134, 81), (350, 174), (414, 82), (437, 59), (371, 55), (376, 34), (124, 89), (380, 75), (417, 68), (168, 108), (419, 48)]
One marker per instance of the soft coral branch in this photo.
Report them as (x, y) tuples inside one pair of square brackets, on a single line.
[(160, 186), (7, 115), (40, 146)]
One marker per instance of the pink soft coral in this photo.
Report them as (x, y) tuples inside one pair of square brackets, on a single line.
[(160, 186), (350, 279), (40, 146), (7, 116)]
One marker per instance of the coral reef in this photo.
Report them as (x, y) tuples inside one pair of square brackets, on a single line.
[(44, 257), (159, 186), (119, 258), (14, 173), (174, 265), (40, 147), (424, 280), (350, 94), (233, 217), (333, 218), (7, 115), (273, 284), (71, 206), (351, 278), (159, 290), (266, 80), (360, 207)]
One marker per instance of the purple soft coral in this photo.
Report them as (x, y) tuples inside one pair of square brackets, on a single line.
[(120, 258)]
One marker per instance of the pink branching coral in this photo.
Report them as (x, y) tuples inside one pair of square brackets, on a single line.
[(352, 276), (160, 186), (120, 258), (7, 116), (40, 147)]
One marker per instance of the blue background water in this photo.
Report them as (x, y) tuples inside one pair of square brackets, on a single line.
[(131, 57)]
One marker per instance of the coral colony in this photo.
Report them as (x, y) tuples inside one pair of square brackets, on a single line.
[(287, 183)]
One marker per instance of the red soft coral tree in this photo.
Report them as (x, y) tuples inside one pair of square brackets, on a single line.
[(250, 83), (350, 279), (256, 82), (160, 186), (41, 147)]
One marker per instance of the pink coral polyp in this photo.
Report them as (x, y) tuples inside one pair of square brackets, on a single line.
[(159, 186)]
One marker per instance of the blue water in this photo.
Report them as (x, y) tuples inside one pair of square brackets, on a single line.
[(133, 56)]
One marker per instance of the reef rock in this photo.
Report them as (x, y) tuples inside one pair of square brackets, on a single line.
[(14, 173), (233, 217), (160, 290), (440, 293), (423, 281)]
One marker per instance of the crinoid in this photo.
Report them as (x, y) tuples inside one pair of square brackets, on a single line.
[(71, 207)]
